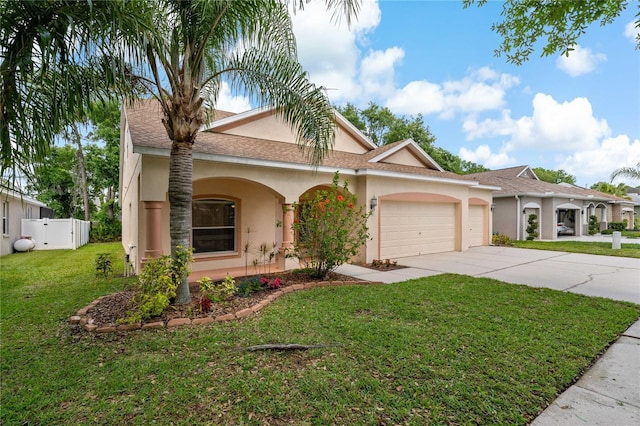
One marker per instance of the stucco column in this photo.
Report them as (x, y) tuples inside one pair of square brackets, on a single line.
[(153, 228), (287, 226)]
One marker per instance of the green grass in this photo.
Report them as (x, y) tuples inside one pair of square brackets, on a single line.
[(449, 349), (600, 248)]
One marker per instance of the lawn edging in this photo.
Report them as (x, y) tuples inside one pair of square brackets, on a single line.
[(82, 317)]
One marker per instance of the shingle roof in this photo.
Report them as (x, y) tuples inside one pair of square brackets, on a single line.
[(512, 184), (144, 119)]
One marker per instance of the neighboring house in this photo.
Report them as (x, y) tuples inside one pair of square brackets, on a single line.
[(562, 209), (16, 207), (634, 194), (248, 172)]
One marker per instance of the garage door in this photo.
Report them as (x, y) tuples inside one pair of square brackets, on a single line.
[(409, 229), (476, 226)]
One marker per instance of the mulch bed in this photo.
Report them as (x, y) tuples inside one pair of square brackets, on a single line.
[(117, 306)]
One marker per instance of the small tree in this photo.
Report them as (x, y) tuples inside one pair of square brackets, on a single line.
[(330, 228), (532, 229)]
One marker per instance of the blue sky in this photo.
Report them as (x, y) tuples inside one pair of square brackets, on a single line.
[(580, 114)]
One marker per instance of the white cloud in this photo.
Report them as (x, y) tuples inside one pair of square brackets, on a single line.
[(557, 126), (598, 163), (631, 31), (580, 61), (328, 51), (229, 102), (483, 155), (482, 90), (377, 71)]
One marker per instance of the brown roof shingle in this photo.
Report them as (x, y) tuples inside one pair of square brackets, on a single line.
[(144, 119)]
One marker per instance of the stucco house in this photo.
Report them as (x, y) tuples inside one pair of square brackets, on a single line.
[(522, 194), (248, 172), (15, 207)]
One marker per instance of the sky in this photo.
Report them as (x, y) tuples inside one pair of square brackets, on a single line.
[(580, 114)]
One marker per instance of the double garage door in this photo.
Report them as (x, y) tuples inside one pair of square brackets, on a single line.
[(414, 228)]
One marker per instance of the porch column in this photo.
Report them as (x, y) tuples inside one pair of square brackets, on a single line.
[(153, 229), (287, 224)]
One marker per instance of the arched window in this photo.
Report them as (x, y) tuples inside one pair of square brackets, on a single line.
[(213, 226)]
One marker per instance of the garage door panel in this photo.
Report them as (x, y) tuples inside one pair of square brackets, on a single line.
[(408, 228)]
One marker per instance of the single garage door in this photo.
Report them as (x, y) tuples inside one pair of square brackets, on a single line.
[(413, 228), (476, 225)]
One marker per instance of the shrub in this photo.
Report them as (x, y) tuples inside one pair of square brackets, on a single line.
[(248, 285), (616, 226), (157, 284), (501, 240), (532, 229), (330, 228), (217, 292), (606, 231), (104, 265), (594, 226)]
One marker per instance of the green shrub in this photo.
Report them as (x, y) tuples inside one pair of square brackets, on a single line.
[(217, 291), (157, 284), (616, 226), (330, 228), (248, 285), (606, 231), (594, 226), (103, 264), (501, 240), (532, 229)]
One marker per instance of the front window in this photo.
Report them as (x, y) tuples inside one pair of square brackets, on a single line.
[(5, 217), (213, 226)]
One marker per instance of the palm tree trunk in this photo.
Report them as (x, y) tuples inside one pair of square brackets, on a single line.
[(83, 169), (180, 194)]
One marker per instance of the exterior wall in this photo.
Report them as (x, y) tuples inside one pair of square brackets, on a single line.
[(130, 202), (505, 217), (273, 128), (19, 209), (404, 157)]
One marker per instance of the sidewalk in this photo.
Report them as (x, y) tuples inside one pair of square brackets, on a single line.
[(609, 392)]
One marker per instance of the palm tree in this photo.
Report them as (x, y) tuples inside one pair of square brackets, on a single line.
[(609, 188), (57, 58), (249, 43), (628, 172)]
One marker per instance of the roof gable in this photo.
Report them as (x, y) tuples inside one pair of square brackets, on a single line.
[(405, 153), (266, 124)]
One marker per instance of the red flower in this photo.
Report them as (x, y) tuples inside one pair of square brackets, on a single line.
[(340, 198), (350, 205)]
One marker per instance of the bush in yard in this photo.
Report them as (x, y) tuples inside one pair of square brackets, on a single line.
[(616, 226), (501, 240), (594, 226), (532, 229), (330, 228), (157, 284), (217, 292)]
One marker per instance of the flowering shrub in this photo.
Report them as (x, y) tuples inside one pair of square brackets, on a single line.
[(275, 283), (217, 292), (330, 228)]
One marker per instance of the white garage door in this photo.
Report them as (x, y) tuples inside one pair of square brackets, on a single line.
[(409, 229), (476, 226)]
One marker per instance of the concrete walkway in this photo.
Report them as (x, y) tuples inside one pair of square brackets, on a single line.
[(609, 392)]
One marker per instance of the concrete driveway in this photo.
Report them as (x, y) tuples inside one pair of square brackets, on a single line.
[(616, 278)]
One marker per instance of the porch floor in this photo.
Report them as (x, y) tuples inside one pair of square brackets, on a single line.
[(219, 274)]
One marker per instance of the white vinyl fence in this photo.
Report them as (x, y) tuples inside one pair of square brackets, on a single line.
[(54, 234)]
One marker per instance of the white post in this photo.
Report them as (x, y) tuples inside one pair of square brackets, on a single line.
[(617, 237)]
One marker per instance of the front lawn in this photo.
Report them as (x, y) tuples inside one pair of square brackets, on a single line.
[(448, 349), (600, 248)]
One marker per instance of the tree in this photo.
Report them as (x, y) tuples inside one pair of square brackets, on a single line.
[(560, 22), (251, 44), (382, 127), (554, 176), (627, 172), (58, 57), (609, 188)]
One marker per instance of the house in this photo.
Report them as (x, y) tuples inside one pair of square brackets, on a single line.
[(562, 209), (634, 194), (15, 207), (248, 172)]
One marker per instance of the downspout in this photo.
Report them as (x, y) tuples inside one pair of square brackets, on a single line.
[(517, 218)]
